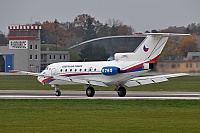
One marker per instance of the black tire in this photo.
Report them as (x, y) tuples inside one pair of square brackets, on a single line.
[(58, 93), (90, 91), (121, 92)]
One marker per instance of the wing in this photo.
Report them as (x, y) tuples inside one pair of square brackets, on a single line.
[(151, 79), (81, 81), (26, 73)]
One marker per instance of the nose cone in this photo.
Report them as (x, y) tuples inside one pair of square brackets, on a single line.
[(40, 79)]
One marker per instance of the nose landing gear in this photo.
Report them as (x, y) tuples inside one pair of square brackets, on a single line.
[(57, 92)]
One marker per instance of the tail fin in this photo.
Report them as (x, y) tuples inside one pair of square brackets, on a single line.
[(151, 47)]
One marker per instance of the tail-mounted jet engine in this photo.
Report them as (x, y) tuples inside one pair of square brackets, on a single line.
[(110, 70)]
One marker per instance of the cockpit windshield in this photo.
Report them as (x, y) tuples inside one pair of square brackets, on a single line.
[(47, 68)]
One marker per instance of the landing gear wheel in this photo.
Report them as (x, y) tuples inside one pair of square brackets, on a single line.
[(121, 92), (58, 93), (90, 91)]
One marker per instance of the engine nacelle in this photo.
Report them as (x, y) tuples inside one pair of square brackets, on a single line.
[(110, 70)]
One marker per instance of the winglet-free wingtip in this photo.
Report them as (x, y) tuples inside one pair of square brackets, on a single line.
[(14, 71)]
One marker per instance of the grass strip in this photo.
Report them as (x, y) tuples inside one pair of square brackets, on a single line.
[(188, 83), (98, 116)]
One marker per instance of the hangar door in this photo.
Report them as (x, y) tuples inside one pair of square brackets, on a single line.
[(9, 62)]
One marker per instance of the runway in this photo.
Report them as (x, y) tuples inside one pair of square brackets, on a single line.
[(48, 94)]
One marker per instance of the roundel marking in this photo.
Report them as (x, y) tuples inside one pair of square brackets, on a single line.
[(145, 48)]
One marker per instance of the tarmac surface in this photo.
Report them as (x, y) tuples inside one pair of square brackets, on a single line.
[(49, 94)]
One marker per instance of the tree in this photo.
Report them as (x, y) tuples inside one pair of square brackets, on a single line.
[(118, 28), (3, 39), (170, 51), (188, 44), (154, 31), (88, 25)]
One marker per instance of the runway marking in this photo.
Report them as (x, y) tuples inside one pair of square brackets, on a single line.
[(93, 98), (47, 94)]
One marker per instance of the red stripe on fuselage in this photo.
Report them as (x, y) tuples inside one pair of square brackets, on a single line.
[(154, 59), (132, 68), (46, 80)]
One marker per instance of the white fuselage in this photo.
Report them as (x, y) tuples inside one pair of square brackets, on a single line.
[(92, 71)]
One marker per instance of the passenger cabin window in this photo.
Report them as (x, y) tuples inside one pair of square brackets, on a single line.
[(85, 69), (70, 70), (95, 69), (65, 70), (60, 70), (80, 70)]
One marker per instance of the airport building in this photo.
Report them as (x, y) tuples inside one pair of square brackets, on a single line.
[(24, 50)]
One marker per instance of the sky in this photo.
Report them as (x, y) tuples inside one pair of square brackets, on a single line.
[(142, 15)]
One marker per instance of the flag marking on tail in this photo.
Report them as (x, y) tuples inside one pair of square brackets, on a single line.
[(145, 48)]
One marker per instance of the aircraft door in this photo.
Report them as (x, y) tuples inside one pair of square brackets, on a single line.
[(53, 71)]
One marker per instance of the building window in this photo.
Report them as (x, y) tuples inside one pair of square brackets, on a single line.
[(31, 65), (186, 65), (173, 65), (31, 46), (60, 56), (190, 65), (198, 65), (42, 57), (167, 65), (50, 57), (36, 57), (31, 57), (36, 47), (64, 57), (161, 65), (54, 57)]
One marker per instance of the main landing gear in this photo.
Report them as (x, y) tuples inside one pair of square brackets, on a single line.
[(121, 91), (90, 91)]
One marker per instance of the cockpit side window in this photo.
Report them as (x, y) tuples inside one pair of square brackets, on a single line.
[(47, 68)]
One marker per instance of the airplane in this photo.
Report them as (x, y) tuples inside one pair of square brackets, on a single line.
[(123, 71)]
